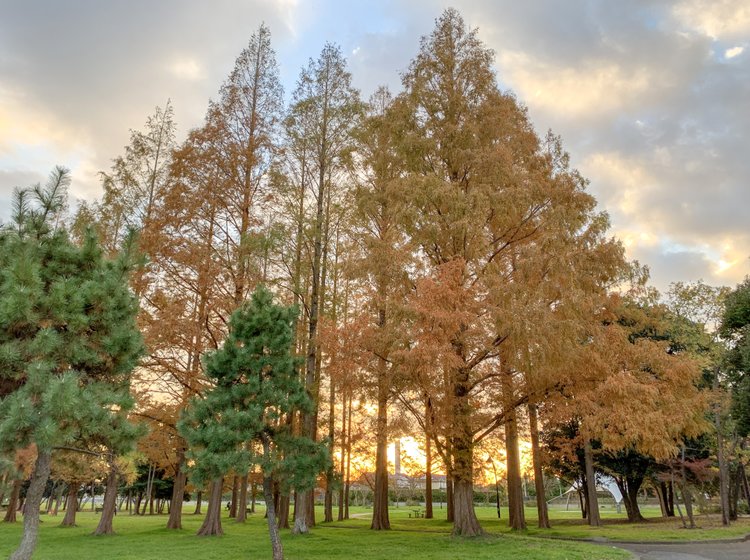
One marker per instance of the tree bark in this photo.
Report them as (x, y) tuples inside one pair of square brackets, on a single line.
[(516, 514), (428, 513), (284, 505), (198, 502), (629, 487), (233, 503), (449, 511), (178, 493), (723, 468), (242, 500), (592, 505), (10, 513), (541, 501), (273, 530), (212, 522), (465, 522), (33, 500), (110, 501)]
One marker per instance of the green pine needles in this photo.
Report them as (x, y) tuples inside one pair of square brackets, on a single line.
[(68, 341), (244, 420)]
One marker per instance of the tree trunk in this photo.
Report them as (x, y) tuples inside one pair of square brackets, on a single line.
[(284, 504), (428, 514), (242, 500), (661, 492), (273, 530), (516, 514), (198, 502), (449, 511), (178, 493), (465, 522), (541, 498), (10, 513), (592, 505), (348, 479), (110, 501), (723, 468), (629, 488), (212, 522), (233, 503), (33, 500)]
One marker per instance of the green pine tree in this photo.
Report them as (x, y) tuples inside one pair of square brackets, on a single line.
[(68, 341), (241, 421)]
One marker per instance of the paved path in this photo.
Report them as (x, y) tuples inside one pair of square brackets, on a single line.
[(689, 551)]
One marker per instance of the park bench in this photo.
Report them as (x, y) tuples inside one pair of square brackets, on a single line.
[(415, 513)]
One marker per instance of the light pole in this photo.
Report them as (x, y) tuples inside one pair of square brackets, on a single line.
[(497, 484)]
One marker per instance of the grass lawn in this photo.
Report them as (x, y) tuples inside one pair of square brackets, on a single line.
[(568, 524), (145, 537)]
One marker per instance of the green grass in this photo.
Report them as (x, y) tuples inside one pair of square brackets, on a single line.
[(145, 537), (569, 525)]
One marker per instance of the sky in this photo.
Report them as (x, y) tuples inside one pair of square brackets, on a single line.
[(651, 98)]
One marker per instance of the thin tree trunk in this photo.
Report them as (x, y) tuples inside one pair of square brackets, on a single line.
[(242, 500), (723, 468), (110, 501), (33, 500), (71, 506), (449, 511), (342, 462), (273, 530), (198, 502), (348, 483), (178, 494), (233, 503), (516, 514), (10, 513), (428, 514), (380, 520), (541, 501), (212, 522), (592, 505)]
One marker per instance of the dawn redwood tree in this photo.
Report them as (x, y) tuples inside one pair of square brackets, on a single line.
[(68, 338), (512, 250), (380, 205), (325, 108), (239, 423)]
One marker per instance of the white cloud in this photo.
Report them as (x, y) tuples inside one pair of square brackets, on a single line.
[(734, 51), (718, 19)]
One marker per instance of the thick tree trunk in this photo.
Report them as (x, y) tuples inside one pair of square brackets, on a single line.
[(301, 514), (242, 500), (541, 498), (516, 514), (284, 504), (33, 500), (212, 522), (110, 501), (592, 502), (380, 520), (273, 530), (10, 513), (428, 513), (465, 522), (233, 503), (178, 494), (629, 487)]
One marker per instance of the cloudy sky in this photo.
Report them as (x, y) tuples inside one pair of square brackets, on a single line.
[(652, 98)]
